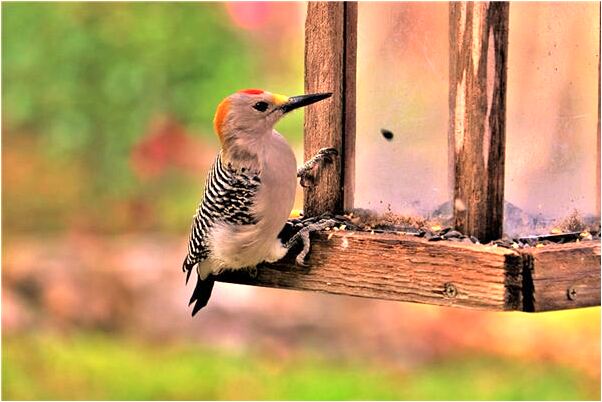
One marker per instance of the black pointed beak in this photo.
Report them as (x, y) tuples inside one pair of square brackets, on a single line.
[(295, 102)]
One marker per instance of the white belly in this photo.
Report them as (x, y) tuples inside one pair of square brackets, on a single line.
[(234, 246)]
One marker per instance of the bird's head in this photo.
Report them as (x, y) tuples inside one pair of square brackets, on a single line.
[(252, 112)]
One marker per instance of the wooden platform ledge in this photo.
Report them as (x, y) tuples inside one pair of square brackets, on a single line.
[(406, 268)]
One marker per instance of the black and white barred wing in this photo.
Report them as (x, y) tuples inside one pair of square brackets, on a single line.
[(229, 196)]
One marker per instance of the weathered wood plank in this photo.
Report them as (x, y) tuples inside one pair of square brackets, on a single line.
[(562, 276), (598, 144), (477, 101), (330, 51), (404, 268), (350, 66)]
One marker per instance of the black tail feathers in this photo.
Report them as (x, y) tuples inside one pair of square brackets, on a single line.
[(201, 293), (187, 267)]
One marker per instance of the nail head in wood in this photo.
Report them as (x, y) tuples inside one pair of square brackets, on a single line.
[(571, 293), (450, 290)]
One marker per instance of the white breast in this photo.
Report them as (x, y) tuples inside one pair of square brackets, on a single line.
[(235, 247)]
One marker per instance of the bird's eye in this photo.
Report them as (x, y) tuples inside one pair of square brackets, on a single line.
[(261, 106)]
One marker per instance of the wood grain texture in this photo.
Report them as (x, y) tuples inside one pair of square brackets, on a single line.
[(598, 144), (477, 101), (563, 276), (326, 51), (404, 268), (349, 114)]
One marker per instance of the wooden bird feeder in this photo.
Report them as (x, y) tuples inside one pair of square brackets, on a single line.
[(406, 268)]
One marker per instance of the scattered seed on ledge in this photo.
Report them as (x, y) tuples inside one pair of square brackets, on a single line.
[(452, 234), (586, 235), (330, 235)]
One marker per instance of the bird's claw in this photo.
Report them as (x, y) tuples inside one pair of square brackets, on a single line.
[(306, 173), (327, 154), (303, 235), (306, 179), (300, 260)]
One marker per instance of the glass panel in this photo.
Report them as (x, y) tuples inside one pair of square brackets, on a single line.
[(552, 115), (402, 79)]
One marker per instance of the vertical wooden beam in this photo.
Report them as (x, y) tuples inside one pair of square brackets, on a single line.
[(330, 49), (350, 66), (598, 128), (477, 101)]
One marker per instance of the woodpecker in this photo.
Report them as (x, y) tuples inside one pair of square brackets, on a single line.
[(249, 191)]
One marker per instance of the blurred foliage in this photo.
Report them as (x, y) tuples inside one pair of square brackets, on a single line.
[(82, 83), (88, 77), (97, 367)]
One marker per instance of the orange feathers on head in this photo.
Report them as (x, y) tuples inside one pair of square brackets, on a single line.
[(224, 106), (220, 115)]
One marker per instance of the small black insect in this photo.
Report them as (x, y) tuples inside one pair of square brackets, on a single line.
[(261, 106), (387, 134)]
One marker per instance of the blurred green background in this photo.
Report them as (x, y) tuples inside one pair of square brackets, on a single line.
[(106, 139), (109, 102)]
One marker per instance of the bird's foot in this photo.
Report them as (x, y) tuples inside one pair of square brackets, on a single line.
[(303, 235), (306, 173)]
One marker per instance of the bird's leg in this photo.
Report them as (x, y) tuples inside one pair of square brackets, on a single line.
[(303, 235), (305, 172)]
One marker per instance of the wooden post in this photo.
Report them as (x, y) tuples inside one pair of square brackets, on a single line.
[(477, 101), (350, 66), (330, 54), (598, 128)]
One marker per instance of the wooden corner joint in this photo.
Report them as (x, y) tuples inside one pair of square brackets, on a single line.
[(561, 276)]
